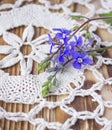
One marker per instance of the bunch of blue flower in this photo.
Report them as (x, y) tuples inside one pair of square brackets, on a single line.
[(69, 48)]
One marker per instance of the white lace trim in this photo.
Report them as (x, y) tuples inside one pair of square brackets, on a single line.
[(18, 3), (26, 88)]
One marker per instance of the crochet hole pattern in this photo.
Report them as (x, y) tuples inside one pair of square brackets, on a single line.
[(80, 99)]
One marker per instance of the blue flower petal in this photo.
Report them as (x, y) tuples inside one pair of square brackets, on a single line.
[(75, 54), (62, 30), (83, 54), (65, 31), (66, 51), (79, 41), (62, 34), (57, 29), (72, 43), (61, 59), (65, 40), (59, 36), (76, 65), (51, 49), (87, 61), (75, 38), (50, 41)]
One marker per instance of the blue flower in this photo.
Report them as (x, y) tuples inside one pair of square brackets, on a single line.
[(72, 46), (67, 51), (70, 49), (61, 58), (80, 59), (62, 34), (50, 41), (88, 44), (64, 53), (78, 41)]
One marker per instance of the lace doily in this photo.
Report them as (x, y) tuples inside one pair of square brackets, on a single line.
[(26, 88)]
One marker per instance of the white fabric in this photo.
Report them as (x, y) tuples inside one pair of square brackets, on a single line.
[(27, 88)]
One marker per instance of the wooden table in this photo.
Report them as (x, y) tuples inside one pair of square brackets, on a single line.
[(80, 103)]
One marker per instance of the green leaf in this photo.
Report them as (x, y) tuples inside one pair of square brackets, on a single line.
[(45, 84), (51, 69), (46, 59), (46, 88), (109, 14), (62, 70), (84, 28), (78, 17), (98, 48), (88, 35), (49, 85), (46, 65), (45, 91), (43, 66), (92, 53), (75, 27), (50, 78), (40, 67), (54, 81)]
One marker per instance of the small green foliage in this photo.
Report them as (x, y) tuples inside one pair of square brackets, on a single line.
[(98, 48), (39, 67), (109, 14), (88, 35), (46, 87), (45, 91), (47, 64), (77, 17), (54, 81), (84, 28), (75, 27), (51, 81), (46, 59), (51, 69), (44, 64), (62, 69), (50, 78), (92, 53)]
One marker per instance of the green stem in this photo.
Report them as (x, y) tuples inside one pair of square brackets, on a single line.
[(89, 20), (100, 49)]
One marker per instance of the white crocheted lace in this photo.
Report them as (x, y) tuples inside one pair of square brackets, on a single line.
[(27, 87)]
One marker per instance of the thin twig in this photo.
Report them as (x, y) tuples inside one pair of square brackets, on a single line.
[(89, 20)]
